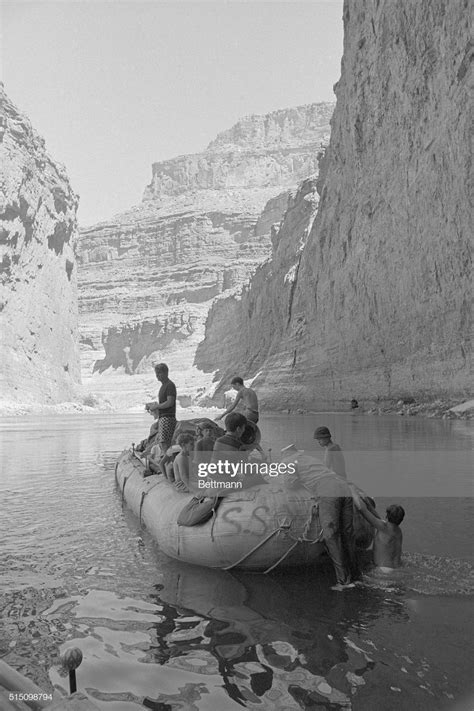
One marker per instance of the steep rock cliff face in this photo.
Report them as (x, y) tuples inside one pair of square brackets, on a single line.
[(378, 305), (260, 313), (200, 232), (38, 285)]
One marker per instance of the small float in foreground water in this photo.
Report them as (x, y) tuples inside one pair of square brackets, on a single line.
[(258, 528)]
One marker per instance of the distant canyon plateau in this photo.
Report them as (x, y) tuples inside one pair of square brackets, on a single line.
[(322, 252)]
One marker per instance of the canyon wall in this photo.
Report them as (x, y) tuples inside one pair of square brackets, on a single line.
[(38, 275), (374, 302), (147, 277)]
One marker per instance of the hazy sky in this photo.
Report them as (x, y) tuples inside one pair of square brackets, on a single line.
[(114, 86)]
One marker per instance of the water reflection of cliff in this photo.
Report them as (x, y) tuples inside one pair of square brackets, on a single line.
[(276, 642)]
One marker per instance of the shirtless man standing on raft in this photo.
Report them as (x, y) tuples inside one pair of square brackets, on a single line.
[(249, 400)]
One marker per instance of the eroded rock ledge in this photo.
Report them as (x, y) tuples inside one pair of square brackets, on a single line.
[(38, 286)]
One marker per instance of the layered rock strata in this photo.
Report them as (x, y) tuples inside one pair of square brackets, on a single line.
[(38, 275), (202, 229), (275, 149), (376, 305)]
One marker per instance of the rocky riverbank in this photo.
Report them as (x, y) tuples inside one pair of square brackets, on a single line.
[(93, 404), (446, 409)]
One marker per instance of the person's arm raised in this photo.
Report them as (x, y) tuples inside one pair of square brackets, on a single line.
[(376, 521)]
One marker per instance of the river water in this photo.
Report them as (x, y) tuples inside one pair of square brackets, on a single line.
[(78, 570)]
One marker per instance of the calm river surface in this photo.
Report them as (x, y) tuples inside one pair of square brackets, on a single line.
[(77, 570)]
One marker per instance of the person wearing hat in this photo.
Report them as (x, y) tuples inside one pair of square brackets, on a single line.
[(333, 456)]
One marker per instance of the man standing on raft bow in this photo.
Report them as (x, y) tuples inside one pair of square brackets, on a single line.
[(166, 407), (249, 401)]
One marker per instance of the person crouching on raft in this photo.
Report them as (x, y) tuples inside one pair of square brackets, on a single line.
[(249, 400)]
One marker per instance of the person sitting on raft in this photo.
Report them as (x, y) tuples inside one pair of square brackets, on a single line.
[(231, 448), (205, 439), (144, 447), (182, 462), (231, 441), (204, 444), (249, 400), (388, 537)]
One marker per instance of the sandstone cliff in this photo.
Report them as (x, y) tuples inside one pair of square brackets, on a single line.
[(38, 286), (276, 149), (202, 229), (375, 305)]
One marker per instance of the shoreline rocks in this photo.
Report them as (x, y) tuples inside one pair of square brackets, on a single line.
[(94, 404)]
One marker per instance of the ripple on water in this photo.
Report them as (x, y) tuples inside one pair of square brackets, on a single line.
[(426, 574)]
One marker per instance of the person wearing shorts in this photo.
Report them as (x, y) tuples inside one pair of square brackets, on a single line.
[(166, 406)]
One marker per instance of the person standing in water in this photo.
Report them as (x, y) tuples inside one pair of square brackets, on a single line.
[(388, 537), (166, 407), (249, 400), (335, 511), (333, 456)]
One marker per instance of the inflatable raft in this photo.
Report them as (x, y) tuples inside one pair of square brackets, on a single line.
[(257, 529)]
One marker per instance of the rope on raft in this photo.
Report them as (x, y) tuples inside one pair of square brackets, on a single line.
[(144, 493), (255, 548), (126, 478), (283, 527), (301, 539)]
